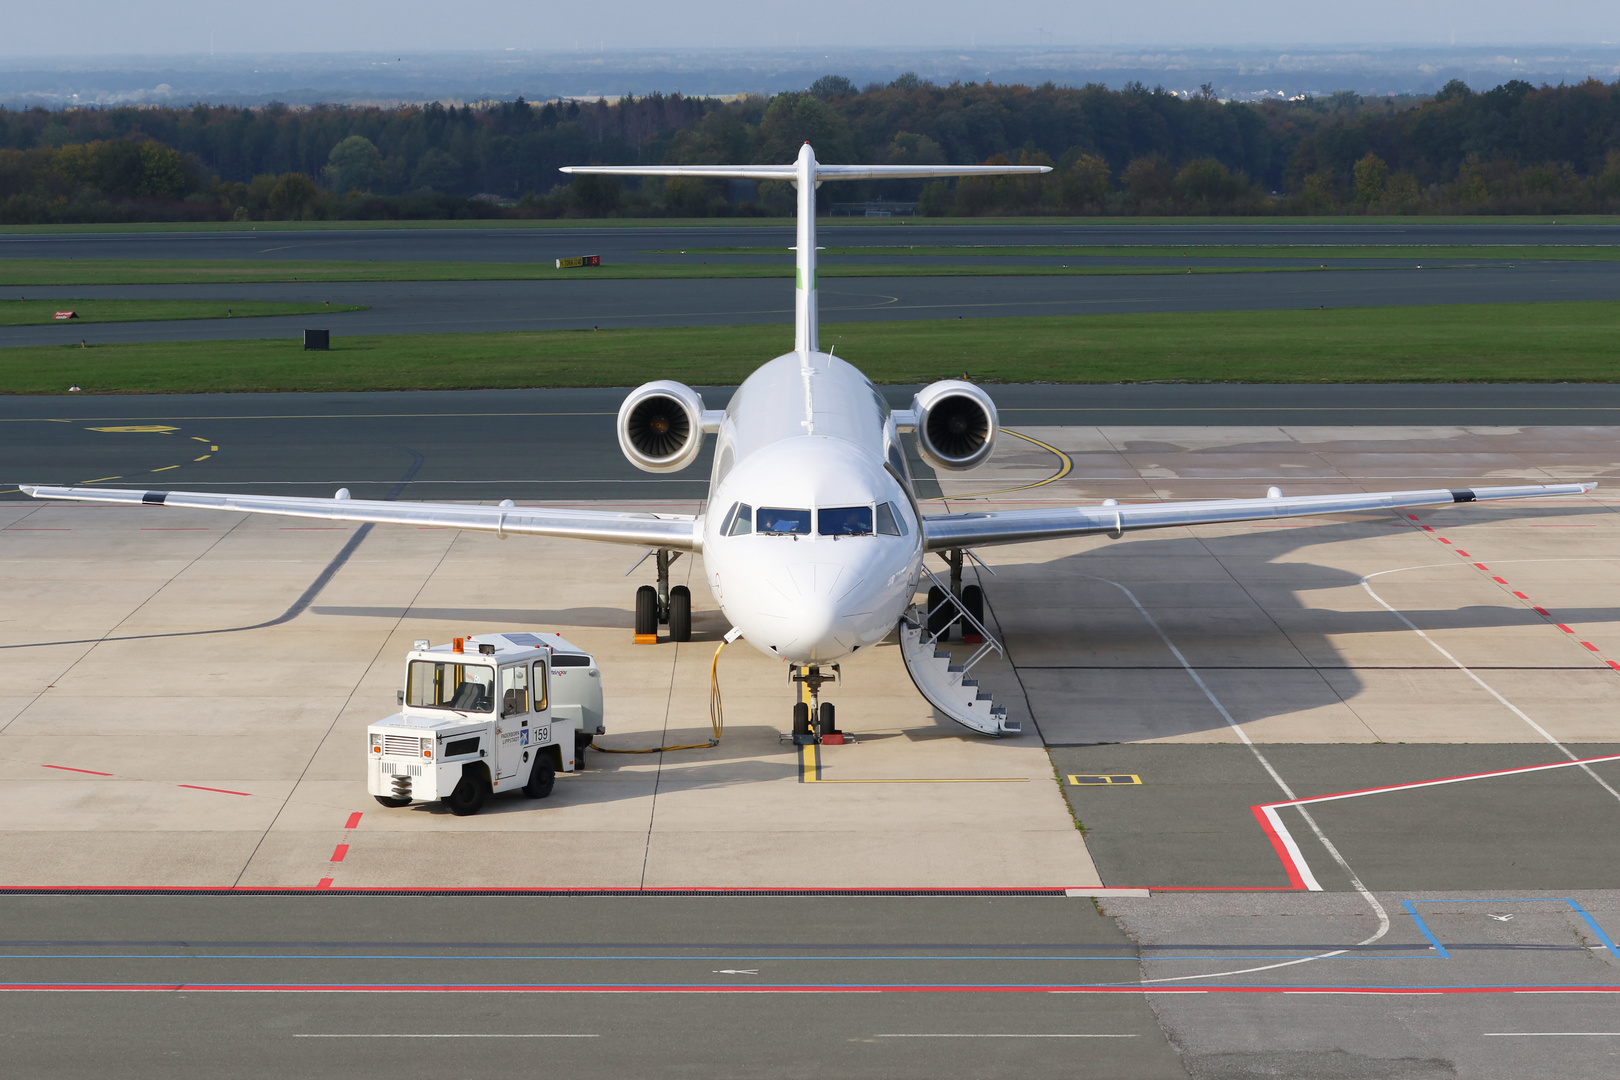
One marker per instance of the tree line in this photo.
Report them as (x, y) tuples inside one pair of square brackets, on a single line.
[(1512, 149)]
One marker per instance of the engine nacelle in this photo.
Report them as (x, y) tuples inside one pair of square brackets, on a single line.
[(661, 426), (956, 424)]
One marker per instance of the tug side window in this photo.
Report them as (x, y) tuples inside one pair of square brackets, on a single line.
[(463, 687), (540, 688), (514, 690)]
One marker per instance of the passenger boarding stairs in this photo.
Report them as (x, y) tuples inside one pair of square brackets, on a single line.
[(946, 684)]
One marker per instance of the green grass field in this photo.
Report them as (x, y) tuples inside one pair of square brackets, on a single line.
[(35, 312), (1559, 342), (1418, 253), (60, 272)]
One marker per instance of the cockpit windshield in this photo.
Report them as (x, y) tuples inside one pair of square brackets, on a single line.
[(778, 521), (845, 521)]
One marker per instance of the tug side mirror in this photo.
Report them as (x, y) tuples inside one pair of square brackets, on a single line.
[(401, 698)]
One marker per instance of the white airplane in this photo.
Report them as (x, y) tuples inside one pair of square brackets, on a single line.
[(813, 543)]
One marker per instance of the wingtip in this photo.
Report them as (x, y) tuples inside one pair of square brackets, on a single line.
[(28, 489)]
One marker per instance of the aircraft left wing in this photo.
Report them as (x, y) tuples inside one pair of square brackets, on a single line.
[(678, 532), (943, 531)]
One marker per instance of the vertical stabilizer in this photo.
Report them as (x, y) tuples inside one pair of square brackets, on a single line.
[(805, 333)]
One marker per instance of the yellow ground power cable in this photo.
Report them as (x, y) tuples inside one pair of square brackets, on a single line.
[(717, 716)]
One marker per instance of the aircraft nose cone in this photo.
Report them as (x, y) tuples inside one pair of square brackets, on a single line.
[(813, 591)]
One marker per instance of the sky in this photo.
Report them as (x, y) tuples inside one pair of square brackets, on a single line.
[(190, 27)]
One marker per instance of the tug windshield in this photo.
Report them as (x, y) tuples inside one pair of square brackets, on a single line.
[(462, 687)]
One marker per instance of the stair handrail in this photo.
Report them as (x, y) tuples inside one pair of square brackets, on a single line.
[(989, 645)]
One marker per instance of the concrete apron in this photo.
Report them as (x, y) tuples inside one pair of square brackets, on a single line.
[(235, 757)]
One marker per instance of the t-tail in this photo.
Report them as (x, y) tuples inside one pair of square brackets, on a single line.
[(806, 174)]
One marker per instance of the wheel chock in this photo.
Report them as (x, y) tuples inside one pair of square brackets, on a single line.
[(646, 639)]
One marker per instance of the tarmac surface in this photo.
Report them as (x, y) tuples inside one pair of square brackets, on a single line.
[(637, 244), (467, 307), (182, 706), (483, 306)]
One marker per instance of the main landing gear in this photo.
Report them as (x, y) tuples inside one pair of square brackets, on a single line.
[(814, 720), (661, 604), (943, 618)]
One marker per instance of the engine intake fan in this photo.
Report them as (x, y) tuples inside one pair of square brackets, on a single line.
[(956, 423), (661, 426)]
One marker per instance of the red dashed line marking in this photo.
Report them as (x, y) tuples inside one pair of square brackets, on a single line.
[(220, 790), (69, 768), (325, 883), (340, 852), (354, 821), (1539, 610)]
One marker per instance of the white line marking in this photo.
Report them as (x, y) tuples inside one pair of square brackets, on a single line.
[(1464, 668), (1304, 868), (957, 1035)]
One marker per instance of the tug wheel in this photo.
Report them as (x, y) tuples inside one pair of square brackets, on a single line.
[(389, 800), (542, 778), (468, 796)]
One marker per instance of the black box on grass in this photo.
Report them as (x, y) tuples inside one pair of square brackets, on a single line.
[(317, 339)]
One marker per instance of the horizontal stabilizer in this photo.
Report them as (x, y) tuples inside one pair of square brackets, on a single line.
[(822, 172)]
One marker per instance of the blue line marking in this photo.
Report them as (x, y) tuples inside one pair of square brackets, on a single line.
[(1423, 928), (1586, 916), (1596, 929)]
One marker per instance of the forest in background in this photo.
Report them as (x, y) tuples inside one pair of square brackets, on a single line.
[(1513, 149)]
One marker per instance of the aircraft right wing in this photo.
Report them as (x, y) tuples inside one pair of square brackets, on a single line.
[(982, 529), (679, 532)]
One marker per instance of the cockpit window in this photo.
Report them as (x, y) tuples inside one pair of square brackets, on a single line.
[(846, 521), (774, 520), (890, 523), (740, 522)]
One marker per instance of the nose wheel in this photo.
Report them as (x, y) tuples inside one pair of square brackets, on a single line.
[(814, 720)]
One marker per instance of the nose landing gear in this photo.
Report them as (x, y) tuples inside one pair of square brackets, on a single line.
[(662, 604), (814, 720)]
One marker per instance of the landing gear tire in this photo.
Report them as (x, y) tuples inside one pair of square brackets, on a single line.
[(542, 778), (826, 723), (389, 800), (468, 796), (939, 613), (680, 613), (973, 600), (801, 721), (646, 611)]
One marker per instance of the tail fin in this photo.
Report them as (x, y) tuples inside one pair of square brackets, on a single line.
[(807, 174)]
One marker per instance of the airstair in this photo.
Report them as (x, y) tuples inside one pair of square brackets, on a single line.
[(947, 685)]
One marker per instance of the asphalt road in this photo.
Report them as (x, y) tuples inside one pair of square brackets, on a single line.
[(631, 244), (466, 307), (559, 445), (1316, 986)]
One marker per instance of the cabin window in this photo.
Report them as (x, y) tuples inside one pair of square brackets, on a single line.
[(776, 521), (845, 521), (740, 522), (889, 522), (463, 687)]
